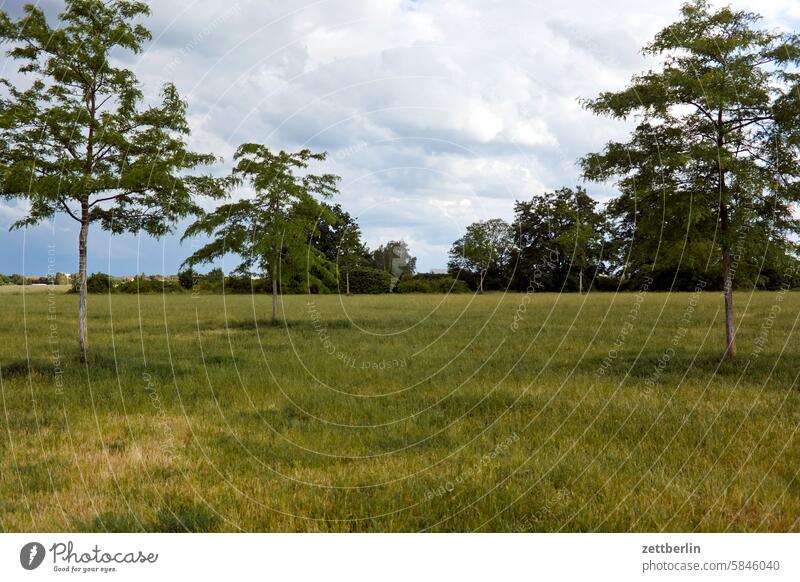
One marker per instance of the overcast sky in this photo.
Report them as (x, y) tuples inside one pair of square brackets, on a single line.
[(436, 113)]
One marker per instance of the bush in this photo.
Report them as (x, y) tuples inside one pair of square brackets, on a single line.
[(96, 283), (14, 279), (143, 284), (369, 280), (607, 283), (188, 278), (431, 284), (103, 283)]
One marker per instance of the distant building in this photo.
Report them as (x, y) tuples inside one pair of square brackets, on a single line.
[(438, 271)]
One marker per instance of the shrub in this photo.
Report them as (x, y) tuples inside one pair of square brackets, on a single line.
[(187, 278), (95, 283), (143, 284), (369, 280), (607, 283), (427, 283)]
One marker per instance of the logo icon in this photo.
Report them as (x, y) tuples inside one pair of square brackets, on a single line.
[(31, 555)]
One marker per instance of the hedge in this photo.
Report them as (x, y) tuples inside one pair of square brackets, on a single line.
[(369, 280)]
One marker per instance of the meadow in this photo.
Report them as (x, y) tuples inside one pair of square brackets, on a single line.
[(494, 412)]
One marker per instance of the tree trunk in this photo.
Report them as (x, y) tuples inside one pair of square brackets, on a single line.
[(727, 276), (347, 277), (727, 285), (83, 339), (480, 284), (580, 282), (274, 299)]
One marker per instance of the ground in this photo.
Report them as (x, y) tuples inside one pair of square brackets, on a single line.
[(501, 412)]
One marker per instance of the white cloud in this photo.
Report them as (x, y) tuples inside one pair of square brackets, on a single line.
[(435, 113)]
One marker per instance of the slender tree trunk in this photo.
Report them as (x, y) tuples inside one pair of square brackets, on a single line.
[(83, 339), (480, 284), (83, 332), (580, 282), (347, 277), (274, 299), (725, 228), (727, 285)]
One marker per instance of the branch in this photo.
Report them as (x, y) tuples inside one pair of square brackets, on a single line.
[(699, 107), (749, 122), (66, 208), (115, 197)]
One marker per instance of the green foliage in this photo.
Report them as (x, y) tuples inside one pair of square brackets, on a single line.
[(78, 141), (14, 279), (215, 275), (425, 283), (188, 278), (270, 231), (484, 255), (710, 173), (560, 236), (140, 284), (369, 280), (338, 237), (148, 284), (97, 283)]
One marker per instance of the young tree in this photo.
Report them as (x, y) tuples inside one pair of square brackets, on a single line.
[(486, 249), (710, 172), (270, 231), (560, 239), (78, 140)]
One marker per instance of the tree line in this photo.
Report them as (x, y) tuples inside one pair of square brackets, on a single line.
[(708, 181), (563, 241)]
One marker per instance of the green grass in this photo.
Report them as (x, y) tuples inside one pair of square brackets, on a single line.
[(32, 289), (490, 413)]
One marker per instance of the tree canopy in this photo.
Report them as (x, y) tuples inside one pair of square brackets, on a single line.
[(485, 251)]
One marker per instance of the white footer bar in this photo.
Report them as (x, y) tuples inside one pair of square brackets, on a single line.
[(400, 557)]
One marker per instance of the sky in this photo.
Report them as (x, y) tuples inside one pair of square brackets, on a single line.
[(435, 113)]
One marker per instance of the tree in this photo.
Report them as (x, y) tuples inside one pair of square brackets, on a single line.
[(560, 240), (710, 172), (187, 278), (339, 240), (486, 249), (215, 276), (78, 140), (270, 231)]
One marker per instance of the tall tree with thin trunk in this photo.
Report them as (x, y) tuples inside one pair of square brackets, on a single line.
[(270, 230), (710, 175), (79, 141)]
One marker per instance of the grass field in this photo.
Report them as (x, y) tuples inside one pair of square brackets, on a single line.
[(400, 413), (32, 289)]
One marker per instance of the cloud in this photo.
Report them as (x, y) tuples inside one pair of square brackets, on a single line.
[(435, 113)]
